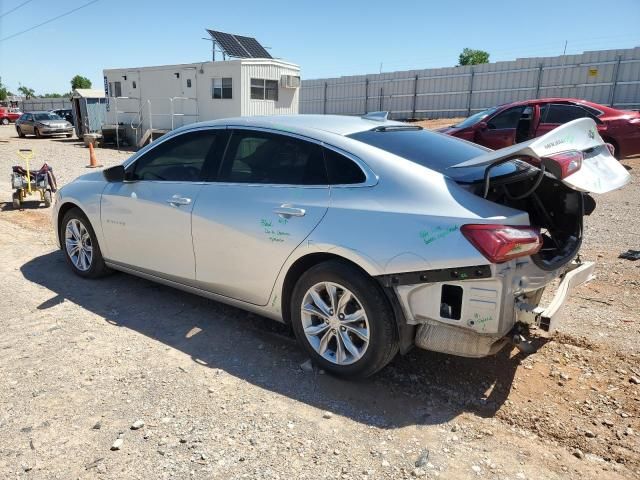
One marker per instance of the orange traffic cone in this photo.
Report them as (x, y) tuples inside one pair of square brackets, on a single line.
[(93, 162)]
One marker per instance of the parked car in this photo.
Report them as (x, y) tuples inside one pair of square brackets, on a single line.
[(64, 113), (516, 122), (368, 236), (9, 114), (43, 124)]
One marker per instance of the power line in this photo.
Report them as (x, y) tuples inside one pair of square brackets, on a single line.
[(15, 8), (49, 21)]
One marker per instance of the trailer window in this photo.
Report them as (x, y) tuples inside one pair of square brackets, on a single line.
[(220, 87), (262, 89)]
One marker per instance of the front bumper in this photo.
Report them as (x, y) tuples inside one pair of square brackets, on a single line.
[(487, 308), (56, 131)]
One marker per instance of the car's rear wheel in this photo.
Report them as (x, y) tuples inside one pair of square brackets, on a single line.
[(80, 245), (343, 319), (69, 135), (5, 121), (20, 133)]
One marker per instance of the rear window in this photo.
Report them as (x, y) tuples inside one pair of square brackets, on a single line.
[(433, 150)]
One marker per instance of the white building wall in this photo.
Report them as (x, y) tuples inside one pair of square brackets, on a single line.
[(287, 103), (155, 86)]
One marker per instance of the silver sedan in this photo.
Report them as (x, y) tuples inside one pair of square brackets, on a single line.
[(367, 236)]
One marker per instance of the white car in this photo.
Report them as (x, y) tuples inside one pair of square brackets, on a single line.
[(368, 236)]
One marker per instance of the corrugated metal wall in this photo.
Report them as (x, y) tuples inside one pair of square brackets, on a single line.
[(609, 77), (35, 104)]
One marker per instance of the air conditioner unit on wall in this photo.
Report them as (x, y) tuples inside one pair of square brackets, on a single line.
[(290, 81)]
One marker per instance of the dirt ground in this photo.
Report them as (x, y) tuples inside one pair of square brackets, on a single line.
[(218, 393)]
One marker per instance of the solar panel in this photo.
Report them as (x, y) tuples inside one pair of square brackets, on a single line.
[(238, 46), (252, 46)]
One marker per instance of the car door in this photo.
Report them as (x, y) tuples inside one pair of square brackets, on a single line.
[(27, 124), (146, 220), (270, 194), (552, 115), (500, 130)]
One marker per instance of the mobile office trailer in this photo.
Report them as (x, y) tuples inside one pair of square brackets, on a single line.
[(149, 101)]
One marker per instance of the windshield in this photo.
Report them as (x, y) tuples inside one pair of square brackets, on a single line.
[(475, 118), (436, 151), (46, 116)]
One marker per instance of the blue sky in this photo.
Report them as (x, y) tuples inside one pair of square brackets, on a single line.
[(326, 38)]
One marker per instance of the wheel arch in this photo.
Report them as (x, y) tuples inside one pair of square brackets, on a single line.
[(304, 263), (62, 210)]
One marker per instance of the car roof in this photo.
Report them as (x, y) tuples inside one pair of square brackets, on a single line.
[(336, 124), (39, 111)]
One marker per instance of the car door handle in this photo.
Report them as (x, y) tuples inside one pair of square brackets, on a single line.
[(177, 200), (287, 211)]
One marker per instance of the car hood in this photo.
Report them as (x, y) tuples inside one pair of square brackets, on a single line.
[(54, 123), (448, 130)]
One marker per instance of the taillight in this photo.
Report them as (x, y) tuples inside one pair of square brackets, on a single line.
[(563, 164), (612, 149), (500, 243)]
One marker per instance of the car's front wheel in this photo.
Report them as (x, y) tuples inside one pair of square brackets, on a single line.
[(20, 133), (80, 245), (343, 319)]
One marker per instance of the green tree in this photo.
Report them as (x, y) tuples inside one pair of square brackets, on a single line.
[(80, 82), (469, 56), (4, 91), (27, 92)]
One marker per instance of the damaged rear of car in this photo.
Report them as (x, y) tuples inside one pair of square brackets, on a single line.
[(474, 310)]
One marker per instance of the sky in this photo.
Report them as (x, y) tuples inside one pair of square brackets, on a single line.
[(326, 38)]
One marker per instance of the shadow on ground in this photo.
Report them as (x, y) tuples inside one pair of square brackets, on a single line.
[(419, 388)]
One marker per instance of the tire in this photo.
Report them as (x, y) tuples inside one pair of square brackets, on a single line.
[(378, 321), (37, 132), (95, 267), (47, 198), (17, 201), (616, 153), (5, 121), (20, 134), (69, 135)]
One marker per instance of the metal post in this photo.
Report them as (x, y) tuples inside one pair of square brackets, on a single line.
[(616, 70), (115, 103), (366, 96), (171, 106), (539, 83), (381, 93), (470, 93), (324, 106), (415, 97), (150, 117)]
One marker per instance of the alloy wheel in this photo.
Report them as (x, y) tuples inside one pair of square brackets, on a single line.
[(335, 323), (78, 244)]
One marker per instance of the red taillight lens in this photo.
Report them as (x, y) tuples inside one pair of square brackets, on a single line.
[(612, 149), (563, 164), (500, 243)]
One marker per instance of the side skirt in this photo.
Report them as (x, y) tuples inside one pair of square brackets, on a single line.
[(194, 290)]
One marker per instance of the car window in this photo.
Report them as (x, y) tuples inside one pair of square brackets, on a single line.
[(507, 119), (475, 118), (342, 170), (269, 158), (563, 113), (433, 150), (179, 159), (46, 116)]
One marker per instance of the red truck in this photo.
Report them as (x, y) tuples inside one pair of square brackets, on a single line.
[(9, 115)]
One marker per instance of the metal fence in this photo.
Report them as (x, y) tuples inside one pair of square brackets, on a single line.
[(35, 104), (609, 77)]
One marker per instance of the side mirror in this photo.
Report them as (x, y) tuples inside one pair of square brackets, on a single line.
[(482, 126), (114, 174)]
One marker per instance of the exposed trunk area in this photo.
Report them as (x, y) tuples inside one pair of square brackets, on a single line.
[(552, 206)]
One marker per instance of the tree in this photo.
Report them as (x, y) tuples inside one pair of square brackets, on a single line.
[(469, 56), (27, 92), (4, 92), (80, 82)]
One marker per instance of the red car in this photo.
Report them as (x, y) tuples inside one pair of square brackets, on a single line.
[(501, 126), (8, 115)]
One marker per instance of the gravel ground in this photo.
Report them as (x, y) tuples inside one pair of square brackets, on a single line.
[(123, 378)]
